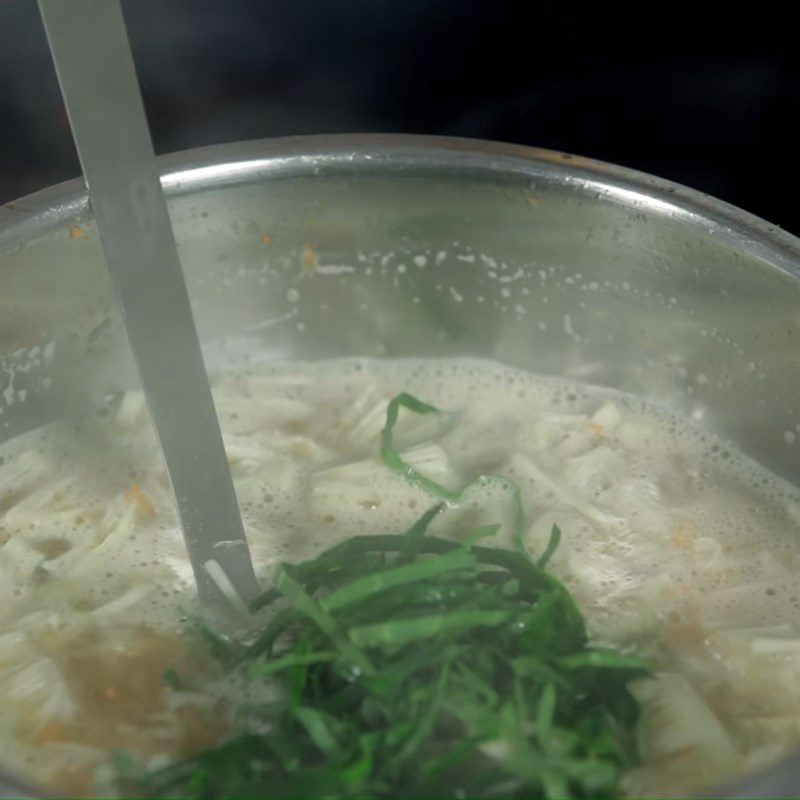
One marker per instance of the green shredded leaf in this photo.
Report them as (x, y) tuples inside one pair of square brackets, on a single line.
[(363, 588), (319, 731), (394, 461), (545, 713), (552, 546), (123, 765), (302, 601), (403, 631), (481, 532), (172, 679), (407, 665), (605, 659), (291, 660), (392, 458), (420, 527)]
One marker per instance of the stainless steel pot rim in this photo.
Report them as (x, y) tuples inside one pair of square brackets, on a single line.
[(225, 165), (218, 166)]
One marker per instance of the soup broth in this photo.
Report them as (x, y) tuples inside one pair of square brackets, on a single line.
[(675, 546)]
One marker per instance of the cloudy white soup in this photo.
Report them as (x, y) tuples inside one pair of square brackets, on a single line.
[(478, 582)]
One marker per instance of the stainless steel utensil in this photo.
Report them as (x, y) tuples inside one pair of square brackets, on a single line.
[(95, 69)]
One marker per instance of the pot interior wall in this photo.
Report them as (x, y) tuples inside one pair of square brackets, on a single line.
[(543, 273)]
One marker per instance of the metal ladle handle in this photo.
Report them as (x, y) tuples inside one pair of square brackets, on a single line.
[(91, 52)]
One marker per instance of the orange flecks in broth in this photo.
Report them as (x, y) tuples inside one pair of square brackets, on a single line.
[(308, 258), (682, 535), (137, 497), (121, 694)]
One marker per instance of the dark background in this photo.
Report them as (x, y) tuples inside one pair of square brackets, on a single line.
[(704, 94)]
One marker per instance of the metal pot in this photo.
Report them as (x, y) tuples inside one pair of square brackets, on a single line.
[(390, 246)]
